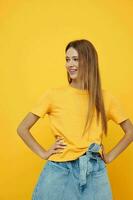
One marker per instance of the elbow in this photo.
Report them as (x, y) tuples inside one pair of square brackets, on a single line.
[(21, 130)]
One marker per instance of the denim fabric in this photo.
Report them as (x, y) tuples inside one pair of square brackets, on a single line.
[(85, 178)]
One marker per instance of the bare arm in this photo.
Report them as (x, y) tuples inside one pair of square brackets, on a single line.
[(127, 127), (23, 131)]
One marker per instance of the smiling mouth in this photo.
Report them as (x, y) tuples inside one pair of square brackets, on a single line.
[(72, 71)]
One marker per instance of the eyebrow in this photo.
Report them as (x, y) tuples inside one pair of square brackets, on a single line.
[(72, 56)]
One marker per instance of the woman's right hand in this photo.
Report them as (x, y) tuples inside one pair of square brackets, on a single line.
[(55, 148)]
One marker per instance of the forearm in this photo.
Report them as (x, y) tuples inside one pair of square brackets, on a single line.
[(31, 142), (119, 147)]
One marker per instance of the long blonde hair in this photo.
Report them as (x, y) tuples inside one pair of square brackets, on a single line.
[(90, 77)]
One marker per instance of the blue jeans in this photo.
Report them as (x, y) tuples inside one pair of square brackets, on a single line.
[(85, 178)]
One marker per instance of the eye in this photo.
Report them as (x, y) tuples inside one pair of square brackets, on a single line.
[(67, 59), (75, 59)]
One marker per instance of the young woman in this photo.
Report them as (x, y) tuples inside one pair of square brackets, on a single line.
[(76, 162)]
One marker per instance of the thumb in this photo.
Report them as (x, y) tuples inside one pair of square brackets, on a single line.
[(103, 150)]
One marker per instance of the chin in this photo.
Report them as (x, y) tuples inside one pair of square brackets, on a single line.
[(73, 77)]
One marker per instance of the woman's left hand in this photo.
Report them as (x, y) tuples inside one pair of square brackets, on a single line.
[(105, 156)]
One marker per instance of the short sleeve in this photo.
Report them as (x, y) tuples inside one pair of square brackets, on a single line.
[(116, 111), (43, 105)]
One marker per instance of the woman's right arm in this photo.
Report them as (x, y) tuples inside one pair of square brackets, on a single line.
[(23, 131)]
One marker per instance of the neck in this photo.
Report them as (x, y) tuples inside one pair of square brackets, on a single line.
[(78, 85)]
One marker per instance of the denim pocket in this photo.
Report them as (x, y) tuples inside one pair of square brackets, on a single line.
[(101, 168), (98, 173)]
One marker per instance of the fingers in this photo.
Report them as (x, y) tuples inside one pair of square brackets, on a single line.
[(59, 145), (60, 141), (103, 149), (59, 149)]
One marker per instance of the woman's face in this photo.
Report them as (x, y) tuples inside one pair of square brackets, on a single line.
[(72, 62)]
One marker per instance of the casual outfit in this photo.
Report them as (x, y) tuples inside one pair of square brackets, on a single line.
[(79, 171)]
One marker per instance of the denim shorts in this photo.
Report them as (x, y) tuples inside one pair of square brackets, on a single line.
[(85, 178)]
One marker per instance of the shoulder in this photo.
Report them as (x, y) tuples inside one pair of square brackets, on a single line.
[(110, 97), (107, 93)]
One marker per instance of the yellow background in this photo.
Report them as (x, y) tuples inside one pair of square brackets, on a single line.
[(32, 58)]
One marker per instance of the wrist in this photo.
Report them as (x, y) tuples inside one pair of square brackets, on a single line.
[(109, 158), (43, 154)]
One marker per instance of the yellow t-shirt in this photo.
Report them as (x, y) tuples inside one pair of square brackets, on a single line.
[(66, 108)]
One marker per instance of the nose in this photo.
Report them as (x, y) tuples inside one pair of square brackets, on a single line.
[(71, 63)]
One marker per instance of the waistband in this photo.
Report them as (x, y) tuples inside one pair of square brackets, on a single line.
[(85, 164)]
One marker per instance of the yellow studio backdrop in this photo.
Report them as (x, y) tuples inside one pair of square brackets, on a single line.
[(32, 58)]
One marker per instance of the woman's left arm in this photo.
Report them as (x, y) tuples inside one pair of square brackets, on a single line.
[(127, 127)]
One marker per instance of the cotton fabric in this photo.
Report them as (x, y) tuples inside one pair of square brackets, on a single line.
[(66, 108)]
